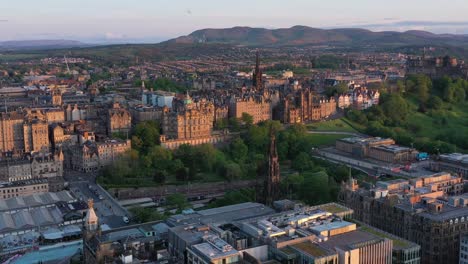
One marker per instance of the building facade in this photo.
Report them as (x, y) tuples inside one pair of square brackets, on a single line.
[(429, 211)]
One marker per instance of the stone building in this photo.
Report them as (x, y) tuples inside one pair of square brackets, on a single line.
[(119, 120), (454, 162), (36, 135), (11, 133), (430, 211), (23, 188), (436, 67), (383, 149), (83, 157), (188, 120), (51, 115), (305, 106), (57, 97), (256, 106), (146, 113), (91, 156), (111, 150), (36, 166)]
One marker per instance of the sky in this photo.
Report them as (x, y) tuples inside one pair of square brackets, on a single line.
[(150, 21)]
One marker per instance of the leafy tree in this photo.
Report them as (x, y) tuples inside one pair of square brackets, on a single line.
[(247, 119), (205, 156), (435, 102), (178, 201), (232, 171), (396, 109), (419, 85), (340, 88), (234, 124), (302, 162), (221, 124), (143, 215), (238, 150), (146, 135)]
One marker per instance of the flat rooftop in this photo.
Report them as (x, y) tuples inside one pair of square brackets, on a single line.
[(312, 249), (349, 240), (222, 214), (392, 148), (334, 208), (331, 226), (215, 249), (455, 157), (398, 243)]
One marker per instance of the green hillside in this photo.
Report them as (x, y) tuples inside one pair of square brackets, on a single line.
[(432, 115)]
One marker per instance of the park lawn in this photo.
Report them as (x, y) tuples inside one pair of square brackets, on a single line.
[(322, 140), (332, 125)]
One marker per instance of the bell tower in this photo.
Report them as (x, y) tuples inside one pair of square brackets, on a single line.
[(57, 97)]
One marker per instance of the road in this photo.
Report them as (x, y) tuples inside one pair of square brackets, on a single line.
[(108, 210)]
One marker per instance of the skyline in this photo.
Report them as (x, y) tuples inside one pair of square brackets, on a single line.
[(155, 21)]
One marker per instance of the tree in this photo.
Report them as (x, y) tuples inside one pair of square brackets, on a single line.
[(178, 201), (143, 215), (160, 157), (419, 85), (146, 135), (238, 150), (187, 155), (302, 162), (396, 109), (247, 119), (205, 156), (221, 124), (234, 124), (434, 102), (401, 88), (232, 171), (340, 88)]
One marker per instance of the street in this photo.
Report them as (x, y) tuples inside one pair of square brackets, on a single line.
[(108, 210)]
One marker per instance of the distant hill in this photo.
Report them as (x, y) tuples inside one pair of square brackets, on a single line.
[(302, 35), (41, 44)]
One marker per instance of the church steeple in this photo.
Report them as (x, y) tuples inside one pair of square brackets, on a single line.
[(257, 79)]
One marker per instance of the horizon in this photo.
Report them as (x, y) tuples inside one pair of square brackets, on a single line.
[(143, 41), (121, 21)]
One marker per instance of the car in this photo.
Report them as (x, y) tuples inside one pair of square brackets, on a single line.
[(126, 220), (101, 197)]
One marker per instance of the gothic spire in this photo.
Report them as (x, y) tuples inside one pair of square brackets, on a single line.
[(272, 180), (257, 80)]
